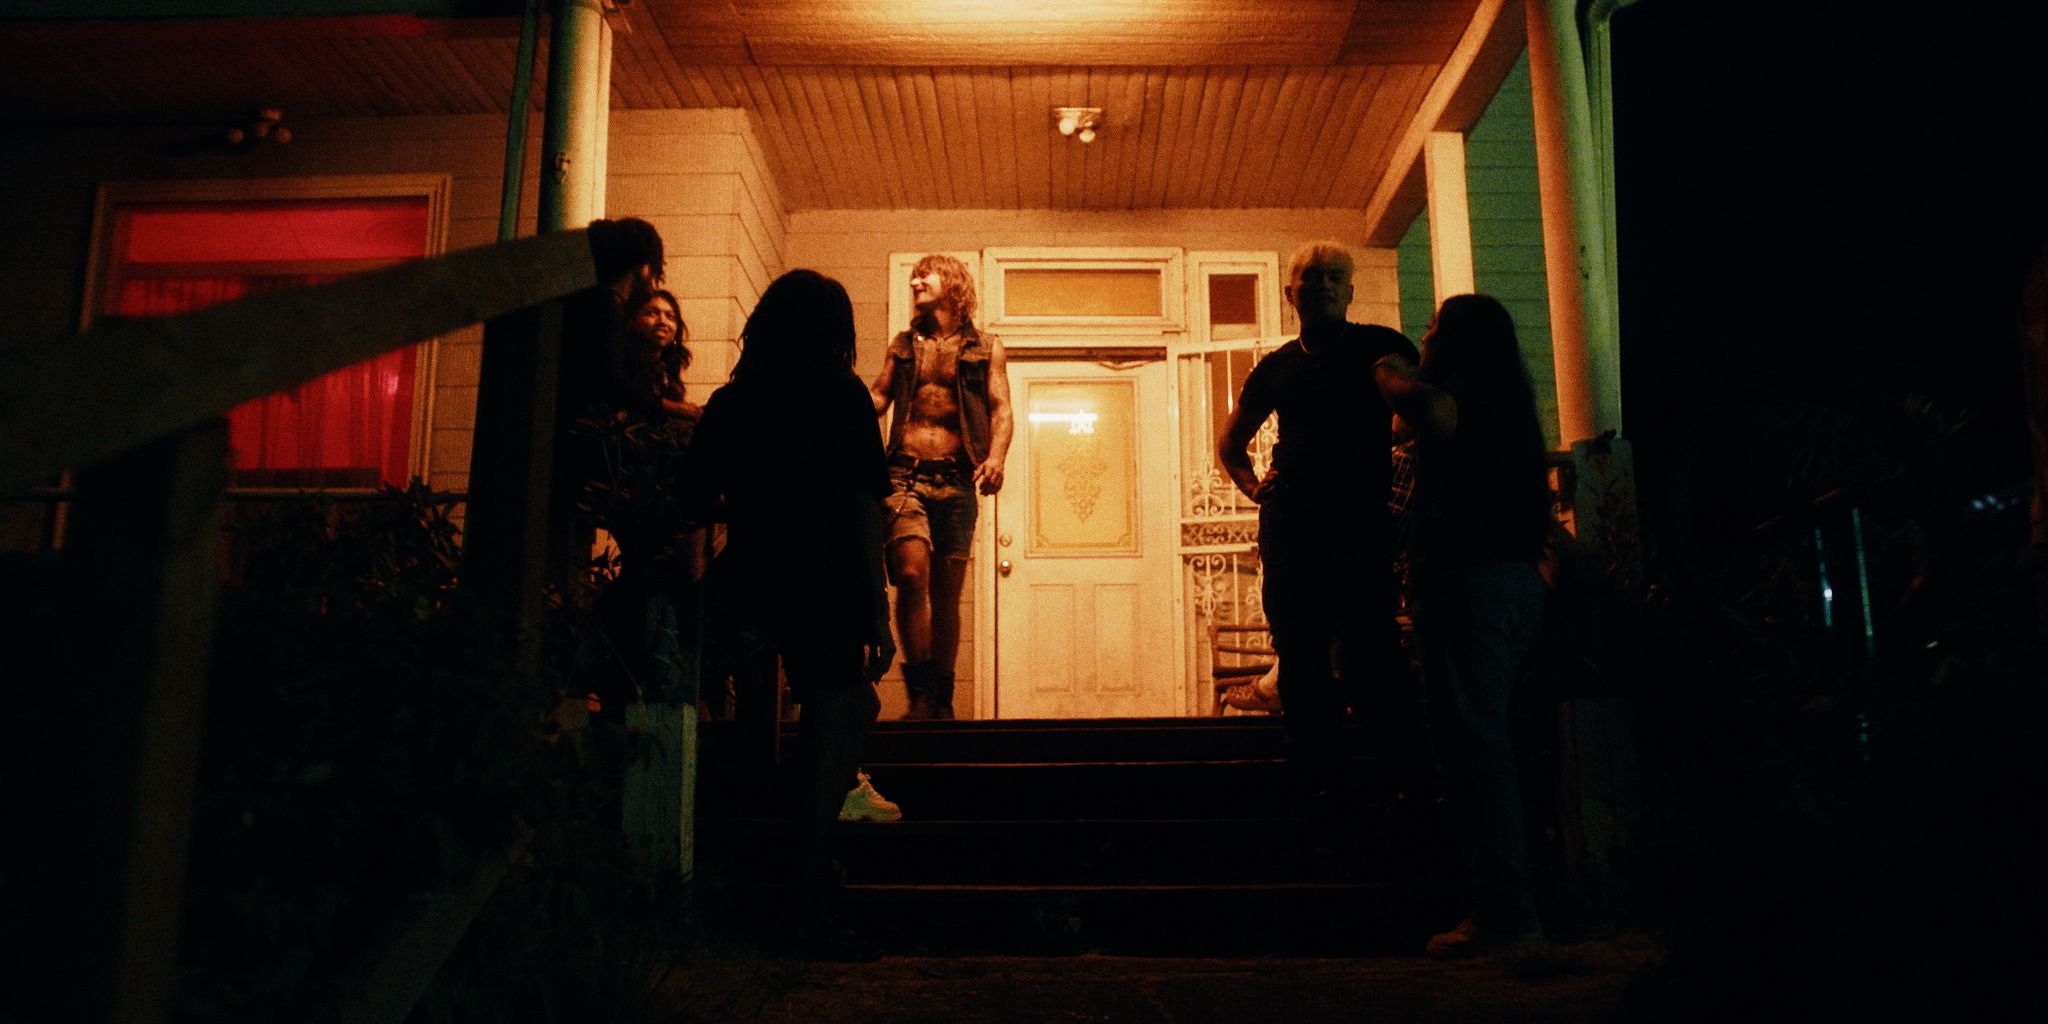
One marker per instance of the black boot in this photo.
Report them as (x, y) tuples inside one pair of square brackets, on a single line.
[(918, 683), (942, 694)]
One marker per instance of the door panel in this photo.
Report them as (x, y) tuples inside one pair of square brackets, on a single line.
[(1085, 545)]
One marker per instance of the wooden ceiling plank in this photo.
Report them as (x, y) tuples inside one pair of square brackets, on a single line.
[(1389, 112), (504, 58), (806, 187), (929, 152), (849, 151), (1123, 117), (1349, 120), (635, 86), (950, 140), (465, 56), (912, 145), (664, 74), (1065, 88), (1152, 126), (1181, 84), (1174, 117), (782, 150), (807, 103), (991, 87), (967, 139), (464, 93), (406, 55), (660, 57), (1222, 132), (393, 93), (1298, 155), (1255, 110), (1319, 156), (1067, 150), (857, 135), (415, 76), (884, 127), (1254, 182), (1090, 183), (1203, 106), (961, 130), (714, 86), (316, 61), (1032, 103)]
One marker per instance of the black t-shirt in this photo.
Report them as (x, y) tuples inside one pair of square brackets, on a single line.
[(786, 453), (1335, 429), (1487, 486)]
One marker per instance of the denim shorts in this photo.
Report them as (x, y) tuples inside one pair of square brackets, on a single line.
[(937, 508)]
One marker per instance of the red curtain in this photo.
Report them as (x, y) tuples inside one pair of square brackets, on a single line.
[(350, 428)]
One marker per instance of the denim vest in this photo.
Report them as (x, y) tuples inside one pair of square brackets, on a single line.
[(970, 386)]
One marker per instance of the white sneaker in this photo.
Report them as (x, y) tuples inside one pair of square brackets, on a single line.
[(864, 804)]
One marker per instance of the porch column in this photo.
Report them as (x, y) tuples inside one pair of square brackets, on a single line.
[(1450, 215), (1576, 244), (507, 527), (579, 100)]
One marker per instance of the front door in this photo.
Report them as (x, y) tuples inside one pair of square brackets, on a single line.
[(1084, 545)]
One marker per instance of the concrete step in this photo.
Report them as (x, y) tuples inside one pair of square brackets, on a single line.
[(1081, 852), (1055, 791), (1161, 920), (1010, 740)]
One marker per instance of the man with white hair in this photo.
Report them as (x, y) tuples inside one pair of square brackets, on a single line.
[(1324, 529)]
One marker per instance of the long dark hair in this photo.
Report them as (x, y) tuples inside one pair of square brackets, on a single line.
[(1471, 352), (804, 322)]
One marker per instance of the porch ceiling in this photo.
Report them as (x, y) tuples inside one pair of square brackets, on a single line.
[(1207, 102)]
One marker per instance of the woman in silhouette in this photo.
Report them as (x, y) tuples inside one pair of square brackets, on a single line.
[(1480, 466), (790, 445)]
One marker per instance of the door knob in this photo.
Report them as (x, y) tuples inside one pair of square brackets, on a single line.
[(1003, 567)]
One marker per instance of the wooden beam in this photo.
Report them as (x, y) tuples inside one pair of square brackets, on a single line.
[(1450, 215), (166, 10), (70, 400), (143, 564), (1464, 86), (1119, 33)]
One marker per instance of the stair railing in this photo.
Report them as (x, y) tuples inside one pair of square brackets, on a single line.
[(138, 408)]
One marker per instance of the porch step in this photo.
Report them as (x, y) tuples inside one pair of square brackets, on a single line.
[(1013, 740), (1167, 836), (1130, 790), (1214, 919), (1082, 852)]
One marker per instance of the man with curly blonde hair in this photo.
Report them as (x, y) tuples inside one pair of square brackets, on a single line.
[(947, 391)]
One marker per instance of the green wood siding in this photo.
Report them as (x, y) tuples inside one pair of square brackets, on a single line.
[(1507, 236)]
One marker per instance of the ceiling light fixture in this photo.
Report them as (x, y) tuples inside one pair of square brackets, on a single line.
[(1078, 122)]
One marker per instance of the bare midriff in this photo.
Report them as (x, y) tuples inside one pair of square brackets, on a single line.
[(932, 428)]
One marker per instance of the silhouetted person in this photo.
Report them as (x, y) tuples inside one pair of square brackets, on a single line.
[(1324, 527), (1479, 601), (629, 258), (948, 436), (790, 444)]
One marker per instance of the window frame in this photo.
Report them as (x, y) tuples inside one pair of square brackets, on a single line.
[(434, 188)]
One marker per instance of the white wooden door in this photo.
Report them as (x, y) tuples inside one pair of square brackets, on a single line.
[(1085, 557)]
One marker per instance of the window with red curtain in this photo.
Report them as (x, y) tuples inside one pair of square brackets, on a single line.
[(350, 428)]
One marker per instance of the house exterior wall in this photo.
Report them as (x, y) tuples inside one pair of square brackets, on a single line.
[(700, 176), (1507, 236)]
